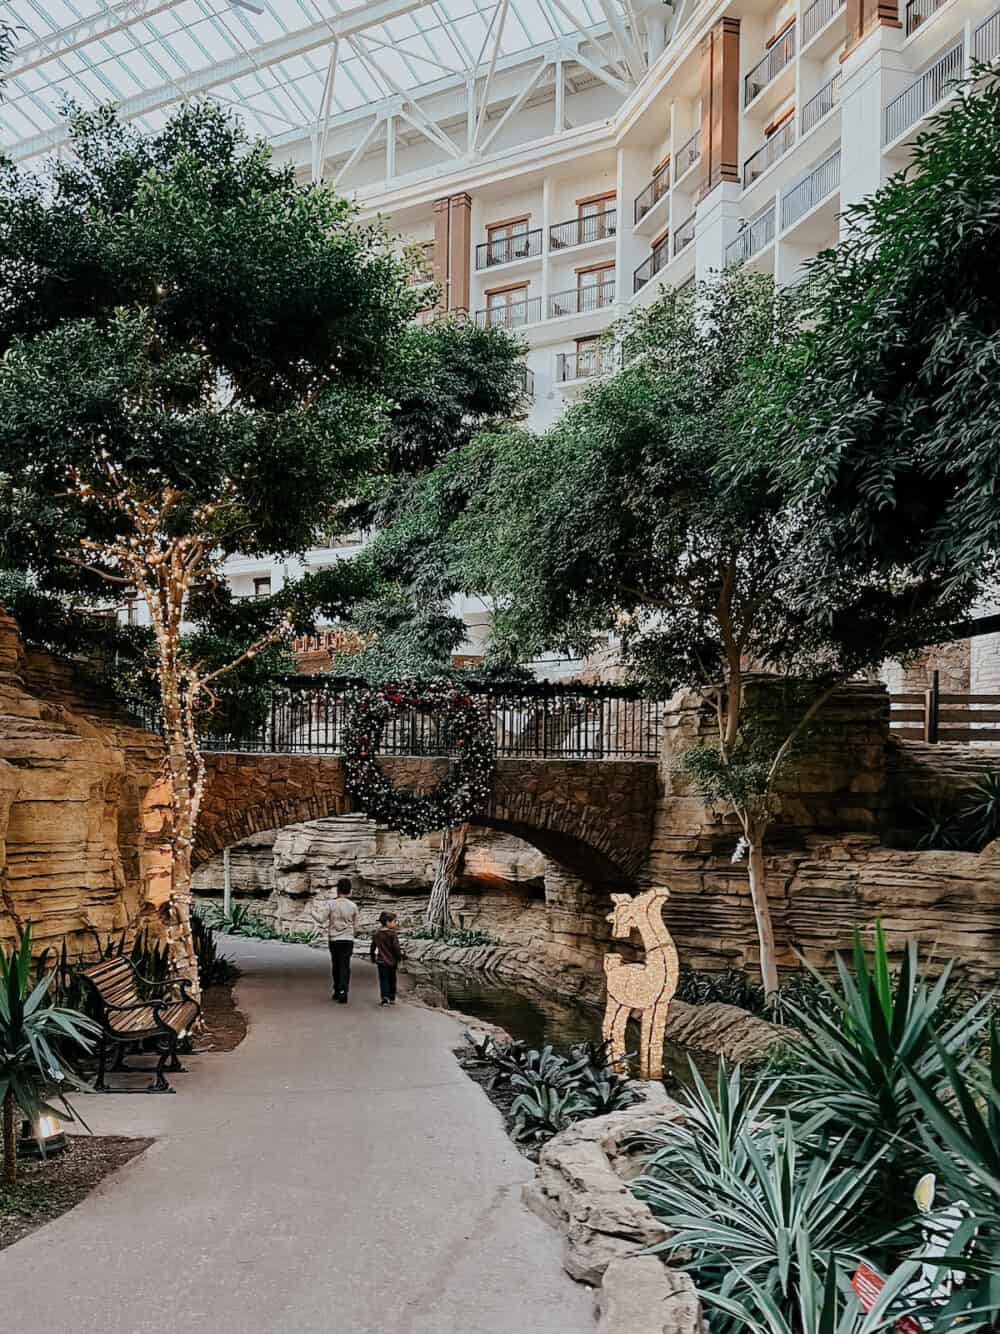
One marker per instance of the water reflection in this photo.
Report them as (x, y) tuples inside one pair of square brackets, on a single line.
[(531, 1016)]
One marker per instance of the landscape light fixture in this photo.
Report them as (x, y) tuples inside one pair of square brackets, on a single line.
[(44, 1140)]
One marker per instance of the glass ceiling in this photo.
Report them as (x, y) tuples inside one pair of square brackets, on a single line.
[(267, 58)]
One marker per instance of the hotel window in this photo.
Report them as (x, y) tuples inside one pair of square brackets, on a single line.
[(595, 287), (508, 306), (596, 217), (262, 587), (507, 240)]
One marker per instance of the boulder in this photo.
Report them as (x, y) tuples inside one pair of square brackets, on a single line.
[(640, 1295)]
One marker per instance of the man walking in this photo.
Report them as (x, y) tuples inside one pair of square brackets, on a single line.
[(342, 924)]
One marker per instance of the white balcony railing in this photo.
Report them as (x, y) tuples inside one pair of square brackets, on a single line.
[(817, 16), (821, 103), (687, 155), (986, 39), (923, 94), (768, 69), (774, 148), (753, 238), (811, 190)]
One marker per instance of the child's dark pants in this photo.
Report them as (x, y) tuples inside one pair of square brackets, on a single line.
[(387, 981)]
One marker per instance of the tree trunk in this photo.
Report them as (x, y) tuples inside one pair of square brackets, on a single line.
[(453, 842), (9, 1139), (762, 911), (180, 941)]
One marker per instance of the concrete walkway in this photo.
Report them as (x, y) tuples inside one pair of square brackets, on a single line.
[(336, 1173)]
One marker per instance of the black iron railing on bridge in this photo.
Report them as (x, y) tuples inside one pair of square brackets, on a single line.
[(532, 720)]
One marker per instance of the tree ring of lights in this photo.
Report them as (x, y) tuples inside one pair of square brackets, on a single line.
[(466, 732)]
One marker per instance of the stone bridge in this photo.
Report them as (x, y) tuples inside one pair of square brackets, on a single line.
[(594, 817)]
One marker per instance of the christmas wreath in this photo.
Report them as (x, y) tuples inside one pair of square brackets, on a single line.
[(462, 728)]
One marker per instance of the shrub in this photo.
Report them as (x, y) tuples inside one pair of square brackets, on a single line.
[(34, 1035), (214, 970)]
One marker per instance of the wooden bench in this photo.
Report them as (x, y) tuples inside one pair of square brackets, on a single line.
[(128, 1018)]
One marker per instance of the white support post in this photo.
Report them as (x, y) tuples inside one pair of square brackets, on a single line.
[(560, 108), (227, 884), (390, 148)]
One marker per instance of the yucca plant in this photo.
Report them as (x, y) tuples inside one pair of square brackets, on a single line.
[(541, 1111), (962, 1134), (33, 1034), (852, 1074), (981, 815)]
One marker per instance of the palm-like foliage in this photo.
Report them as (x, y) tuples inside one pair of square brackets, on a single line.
[(33, 1034), (962, 1133), (855, 1058)]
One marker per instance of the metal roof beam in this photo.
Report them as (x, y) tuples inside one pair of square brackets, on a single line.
[(235, 67), (74, 35)]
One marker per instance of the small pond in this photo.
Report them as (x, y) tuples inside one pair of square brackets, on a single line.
[(530, 1016)]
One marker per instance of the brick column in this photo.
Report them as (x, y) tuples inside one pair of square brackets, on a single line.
[(459, 252), (864, 15), (440, 263), (720, 105)]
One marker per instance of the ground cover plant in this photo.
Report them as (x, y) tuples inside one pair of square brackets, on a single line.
[(543, 1091), (243, 921)]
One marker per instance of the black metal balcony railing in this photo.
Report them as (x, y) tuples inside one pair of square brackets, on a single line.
[(650, 267), (767, 69), (817, 16), (687, 155), (531, 720), (657, 189), (585, 363), (511, 316), (923, 94), (684, 234), (811, 190), (986, 39), (765, 157), (582, 231), (507, 249), (527, 378), (753, 238), (821, 103), (582, 300)]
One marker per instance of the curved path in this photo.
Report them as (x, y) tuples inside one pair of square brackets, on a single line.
[(336, 1173)]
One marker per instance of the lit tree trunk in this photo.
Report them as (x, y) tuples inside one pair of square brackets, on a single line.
[(9, 1139), (757, 876), (453, 842)]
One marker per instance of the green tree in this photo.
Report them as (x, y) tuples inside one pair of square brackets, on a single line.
[(194, 361), (893, 423), (651, 512)]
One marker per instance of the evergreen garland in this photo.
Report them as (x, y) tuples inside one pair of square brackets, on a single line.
[(466, 729)]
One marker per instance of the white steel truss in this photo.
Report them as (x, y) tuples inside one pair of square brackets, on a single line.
[(310, 74)]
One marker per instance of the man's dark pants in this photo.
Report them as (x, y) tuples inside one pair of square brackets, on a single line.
[(340, 960), (387, 981)]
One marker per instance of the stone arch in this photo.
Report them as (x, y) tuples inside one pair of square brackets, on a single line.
[(593, 817)]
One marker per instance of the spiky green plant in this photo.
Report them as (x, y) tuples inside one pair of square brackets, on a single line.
[(34, 1035)]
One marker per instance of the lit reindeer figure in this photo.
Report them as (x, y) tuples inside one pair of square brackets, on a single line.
[(646, 987)]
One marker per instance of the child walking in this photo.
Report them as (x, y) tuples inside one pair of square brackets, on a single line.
[(386, 953)]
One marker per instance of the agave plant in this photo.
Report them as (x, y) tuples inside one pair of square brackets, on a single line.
[(962, 1134), (852, 1073), (981, 816), (541, 1111), (33, 1034)]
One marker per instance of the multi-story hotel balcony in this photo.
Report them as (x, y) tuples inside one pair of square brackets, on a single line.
[(757, 234), (508, 249), (818, 16), (687, 157), (585, 230), (527, 377), (583, 299), (512, 315), (919, 11), (768, 154), (986, 39), (764, 73), (657, 189), (810, 191), (585, 363), (651, 266), (924, 93), (684, 234), (821, 103)]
